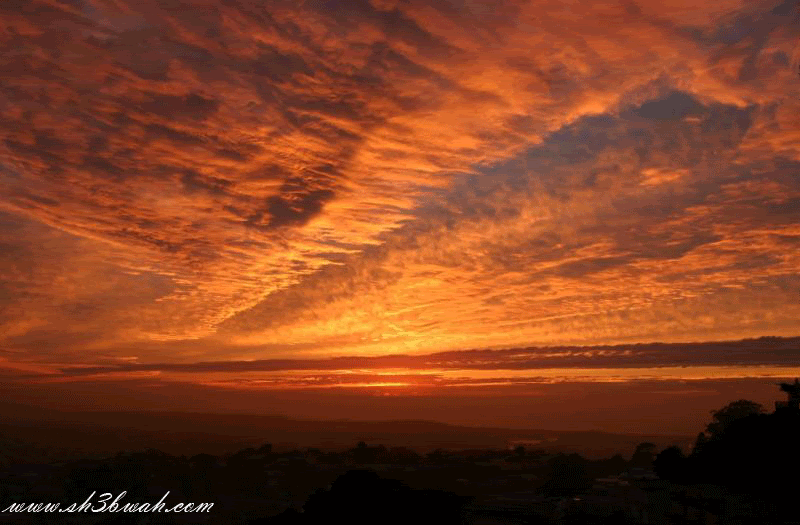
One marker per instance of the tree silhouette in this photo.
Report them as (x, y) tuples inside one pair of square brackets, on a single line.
[(363, 497), (643, 455), (745, 454), (569, 476), (364, 453), (699, 443), (730, 413), (670, 464)]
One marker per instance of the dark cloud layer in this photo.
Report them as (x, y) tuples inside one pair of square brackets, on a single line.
[(765, 351)]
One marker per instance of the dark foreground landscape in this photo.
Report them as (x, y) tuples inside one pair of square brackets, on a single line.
[(740, 470)]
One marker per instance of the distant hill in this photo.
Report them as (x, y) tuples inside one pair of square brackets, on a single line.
[(192, 433)]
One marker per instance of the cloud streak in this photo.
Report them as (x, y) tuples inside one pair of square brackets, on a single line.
[(756, 352)]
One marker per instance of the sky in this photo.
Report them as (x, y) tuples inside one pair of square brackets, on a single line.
[(349, 201)]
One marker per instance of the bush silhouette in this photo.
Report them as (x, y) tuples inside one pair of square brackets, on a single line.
[(569, 476), (363, 497), (671, 464), (643, 455)]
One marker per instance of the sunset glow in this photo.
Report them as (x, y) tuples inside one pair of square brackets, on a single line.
[(402, 195)]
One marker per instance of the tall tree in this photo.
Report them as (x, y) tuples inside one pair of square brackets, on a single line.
[(729, 413)]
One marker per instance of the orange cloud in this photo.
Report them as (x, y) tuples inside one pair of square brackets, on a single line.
[(239, 181)]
